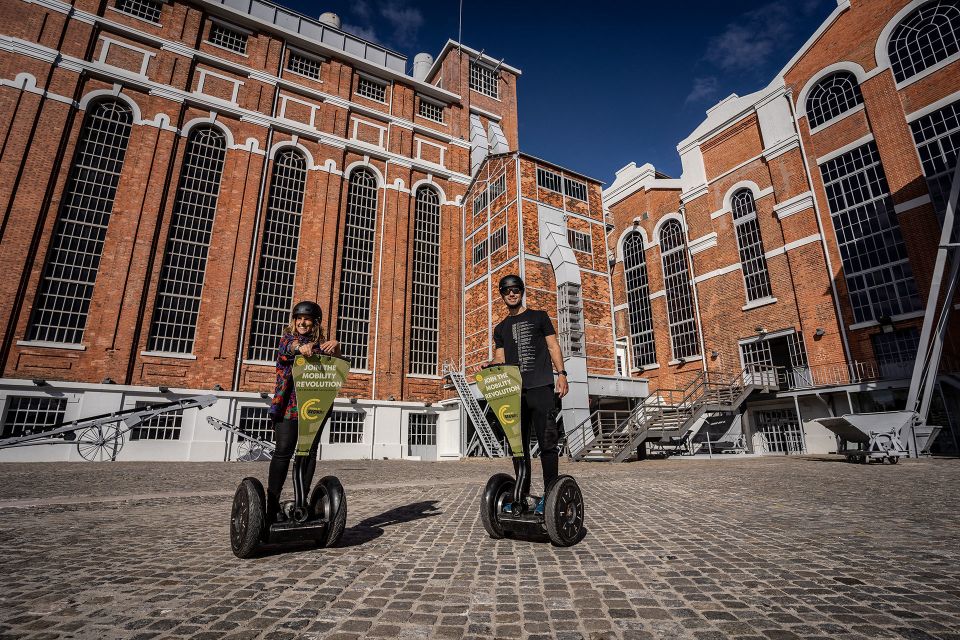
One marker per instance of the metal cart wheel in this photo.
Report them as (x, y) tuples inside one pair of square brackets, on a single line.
[(100, 443), (251, 451)]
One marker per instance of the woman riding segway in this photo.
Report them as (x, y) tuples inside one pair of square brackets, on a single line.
[(303, 336)]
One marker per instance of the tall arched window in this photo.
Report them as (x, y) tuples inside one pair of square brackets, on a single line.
[(832, 96), (60, 311), (174, 323), (676, 280), (356, 268), (756, 280), (425, 297), (640, 316), (278, 254), (925, 37)]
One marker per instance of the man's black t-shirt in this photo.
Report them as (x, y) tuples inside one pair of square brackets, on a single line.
[(523, 340)]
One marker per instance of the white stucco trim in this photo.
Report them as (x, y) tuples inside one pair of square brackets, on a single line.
[(933, 106), (623, 237), (212, 120), (670, 216), (115, 92), (703, 243), (292, 144), (365, 163), (859, 142), (883, 40), (793, 205), (910, 205), (428, 181)]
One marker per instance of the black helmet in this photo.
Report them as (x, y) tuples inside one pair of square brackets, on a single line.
[(511, 281), (307, 308)]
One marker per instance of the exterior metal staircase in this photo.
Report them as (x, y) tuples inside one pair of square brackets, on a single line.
[(613, 436), (483, 432)]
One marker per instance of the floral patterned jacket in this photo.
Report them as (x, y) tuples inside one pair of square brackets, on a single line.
[(284, 406)]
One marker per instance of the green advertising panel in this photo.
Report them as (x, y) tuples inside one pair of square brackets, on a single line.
[(500, 386), (317, 380)]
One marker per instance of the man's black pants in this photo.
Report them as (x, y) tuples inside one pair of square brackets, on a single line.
[(536, 408)]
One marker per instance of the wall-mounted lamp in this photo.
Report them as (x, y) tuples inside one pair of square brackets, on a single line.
[(391, 398), (218, 387), (164, 389), (760, 329), (107, 381), (428, 404), (353, 401), (819, 333), (264, 394), (714, 354), (886, 324), (40, 382)]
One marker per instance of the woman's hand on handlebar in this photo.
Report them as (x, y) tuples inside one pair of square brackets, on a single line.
[(306, 349), (329, 347)]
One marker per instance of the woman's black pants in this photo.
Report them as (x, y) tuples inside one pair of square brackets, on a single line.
[(286, 441), (536, 407)]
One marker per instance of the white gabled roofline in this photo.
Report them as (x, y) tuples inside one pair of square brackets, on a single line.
[(473, 54)]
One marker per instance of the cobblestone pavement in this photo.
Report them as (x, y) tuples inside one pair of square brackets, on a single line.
[(749, 548)]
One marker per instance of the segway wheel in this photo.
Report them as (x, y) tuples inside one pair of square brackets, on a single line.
[(563, 512), (247, 518), (498, 490), (329, 501)]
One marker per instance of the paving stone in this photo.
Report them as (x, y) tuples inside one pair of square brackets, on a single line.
[(751, 549)]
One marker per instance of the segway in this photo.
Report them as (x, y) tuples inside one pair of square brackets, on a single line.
[(321, 519), (504, 509)]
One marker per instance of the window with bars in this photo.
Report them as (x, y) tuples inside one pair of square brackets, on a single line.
[(484, 80), (896, 346), (356, 268), (937, 136), (303, 65), (875, 264), (174, 323), (422, 430), (479, 251), (346, 427), (63, 302), (676, 276), (480, 202), (498, 187), (165, 426), (639, 312), (580, 241), (371, 89), (425, 296), (832, 96), (549, 180), (498, 239), (256, 422), (575, 189), (753, 264), (232, 39), (278, 254), (30, 414), (148, 10), (927, 36), (430, 110)]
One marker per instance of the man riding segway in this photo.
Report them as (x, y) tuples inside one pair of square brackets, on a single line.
[(521, 380)]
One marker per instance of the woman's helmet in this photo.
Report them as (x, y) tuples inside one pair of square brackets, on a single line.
[(307, 308), (511, 281)]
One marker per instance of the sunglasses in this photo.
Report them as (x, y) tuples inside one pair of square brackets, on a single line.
[(510, 290)]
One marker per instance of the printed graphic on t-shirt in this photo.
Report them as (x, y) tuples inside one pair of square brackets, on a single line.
[(526, 348)]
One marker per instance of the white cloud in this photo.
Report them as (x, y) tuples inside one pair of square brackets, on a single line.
[(367, 33), (703, 89), (405, 22)]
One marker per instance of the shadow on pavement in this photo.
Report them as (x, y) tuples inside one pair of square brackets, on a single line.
[(372, 528), (541, 537)]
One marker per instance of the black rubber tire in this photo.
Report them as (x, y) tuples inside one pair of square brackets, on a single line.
[(498, 486), (563, 512), (248, 517), (329, 501), (894, 459)]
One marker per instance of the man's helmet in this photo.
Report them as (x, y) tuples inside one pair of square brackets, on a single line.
[(307, 308), (511, 281)]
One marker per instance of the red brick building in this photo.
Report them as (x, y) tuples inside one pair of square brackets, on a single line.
[(803, 230)]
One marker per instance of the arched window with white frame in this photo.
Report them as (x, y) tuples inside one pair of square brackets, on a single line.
[(681, 317), (356, 268), (278, 254), (184, 269), (63, 302), (425, 294), (831, 97), (753, 264), (927, 36), (643, 349)]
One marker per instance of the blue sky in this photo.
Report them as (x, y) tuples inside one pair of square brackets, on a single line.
[(604, 83)]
